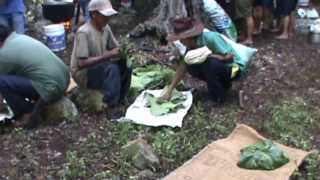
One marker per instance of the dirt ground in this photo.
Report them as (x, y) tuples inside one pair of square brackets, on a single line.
[(281, 100)]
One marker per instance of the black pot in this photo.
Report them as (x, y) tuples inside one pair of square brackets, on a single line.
[(59, 12)]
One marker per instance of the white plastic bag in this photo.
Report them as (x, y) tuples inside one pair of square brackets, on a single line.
[(197, 56)]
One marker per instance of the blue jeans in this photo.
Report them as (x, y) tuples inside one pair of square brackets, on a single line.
[(84, 7), (15, 90), (14, 20), (113, 79)]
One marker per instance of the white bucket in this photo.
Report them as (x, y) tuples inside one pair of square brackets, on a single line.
[(303, 2), (55, 37)]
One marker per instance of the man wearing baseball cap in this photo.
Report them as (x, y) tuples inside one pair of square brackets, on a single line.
[(95, 58)]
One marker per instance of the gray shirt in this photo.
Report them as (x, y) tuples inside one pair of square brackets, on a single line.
[(89, 42)]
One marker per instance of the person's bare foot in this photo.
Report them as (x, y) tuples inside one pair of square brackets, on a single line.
[(247, 42), (283, 37)]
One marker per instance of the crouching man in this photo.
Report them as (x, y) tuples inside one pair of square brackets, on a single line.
[(95, 61), (221, 65), (31, 76)]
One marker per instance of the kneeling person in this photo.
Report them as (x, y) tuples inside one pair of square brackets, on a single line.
[(95, 58), (219, 68), (31, 76)]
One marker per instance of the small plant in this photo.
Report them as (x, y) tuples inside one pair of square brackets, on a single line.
[(165, 143), (292, 123), (20, 134), (104, 175), (313, 166), (75, 167), (124, 132)]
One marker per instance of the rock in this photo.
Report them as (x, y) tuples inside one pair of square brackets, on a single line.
[(140, 153), (89, 100), (145, 174), (64, 109), (14, 161)]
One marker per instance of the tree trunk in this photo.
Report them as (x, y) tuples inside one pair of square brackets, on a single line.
[(167, 9)]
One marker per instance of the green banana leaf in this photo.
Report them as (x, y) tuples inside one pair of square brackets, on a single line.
[(264, 155), (158, 108), (150, 77)]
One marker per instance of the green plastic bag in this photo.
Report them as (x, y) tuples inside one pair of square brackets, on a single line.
[(264, 155)]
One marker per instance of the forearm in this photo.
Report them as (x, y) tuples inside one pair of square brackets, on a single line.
[(181, 71), (91, 61)]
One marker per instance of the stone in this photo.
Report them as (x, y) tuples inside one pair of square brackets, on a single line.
[(140, 153), (64, 109), (90, 101), (145, 174)]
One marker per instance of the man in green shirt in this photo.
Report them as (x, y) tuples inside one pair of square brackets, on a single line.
[(219, 68), (30, 74)]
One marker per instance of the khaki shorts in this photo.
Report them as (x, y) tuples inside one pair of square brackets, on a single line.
[(243, 8)]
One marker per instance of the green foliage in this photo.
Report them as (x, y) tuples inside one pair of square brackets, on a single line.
[(264, 155), (125, 132), (292, 123), (150, 77), (125, 55), (104, 175), (313, 166), (165, 143), (20, 134), (158, 108), (75, 167)]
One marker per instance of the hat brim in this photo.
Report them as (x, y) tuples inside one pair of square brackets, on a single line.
[(195, 31), (108, 12)]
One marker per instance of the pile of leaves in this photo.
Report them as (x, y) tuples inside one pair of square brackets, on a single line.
[(150, 77), (160, 108), (264, 155)]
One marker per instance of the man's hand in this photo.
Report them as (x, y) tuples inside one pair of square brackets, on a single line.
[(111, 54), (165, 97)]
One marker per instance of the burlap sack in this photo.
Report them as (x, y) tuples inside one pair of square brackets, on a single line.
[(218, 161)]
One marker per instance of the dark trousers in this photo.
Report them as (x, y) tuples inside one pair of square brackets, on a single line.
[(216, 74), (113, 79), (18, 93)]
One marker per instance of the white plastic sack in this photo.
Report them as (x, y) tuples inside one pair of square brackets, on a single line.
[(181, 47), (217, 15), (197, 56), (315, 26), (140, 114), (308, 13)]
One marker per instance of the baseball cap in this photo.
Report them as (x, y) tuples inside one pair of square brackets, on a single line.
[(103, 6)]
